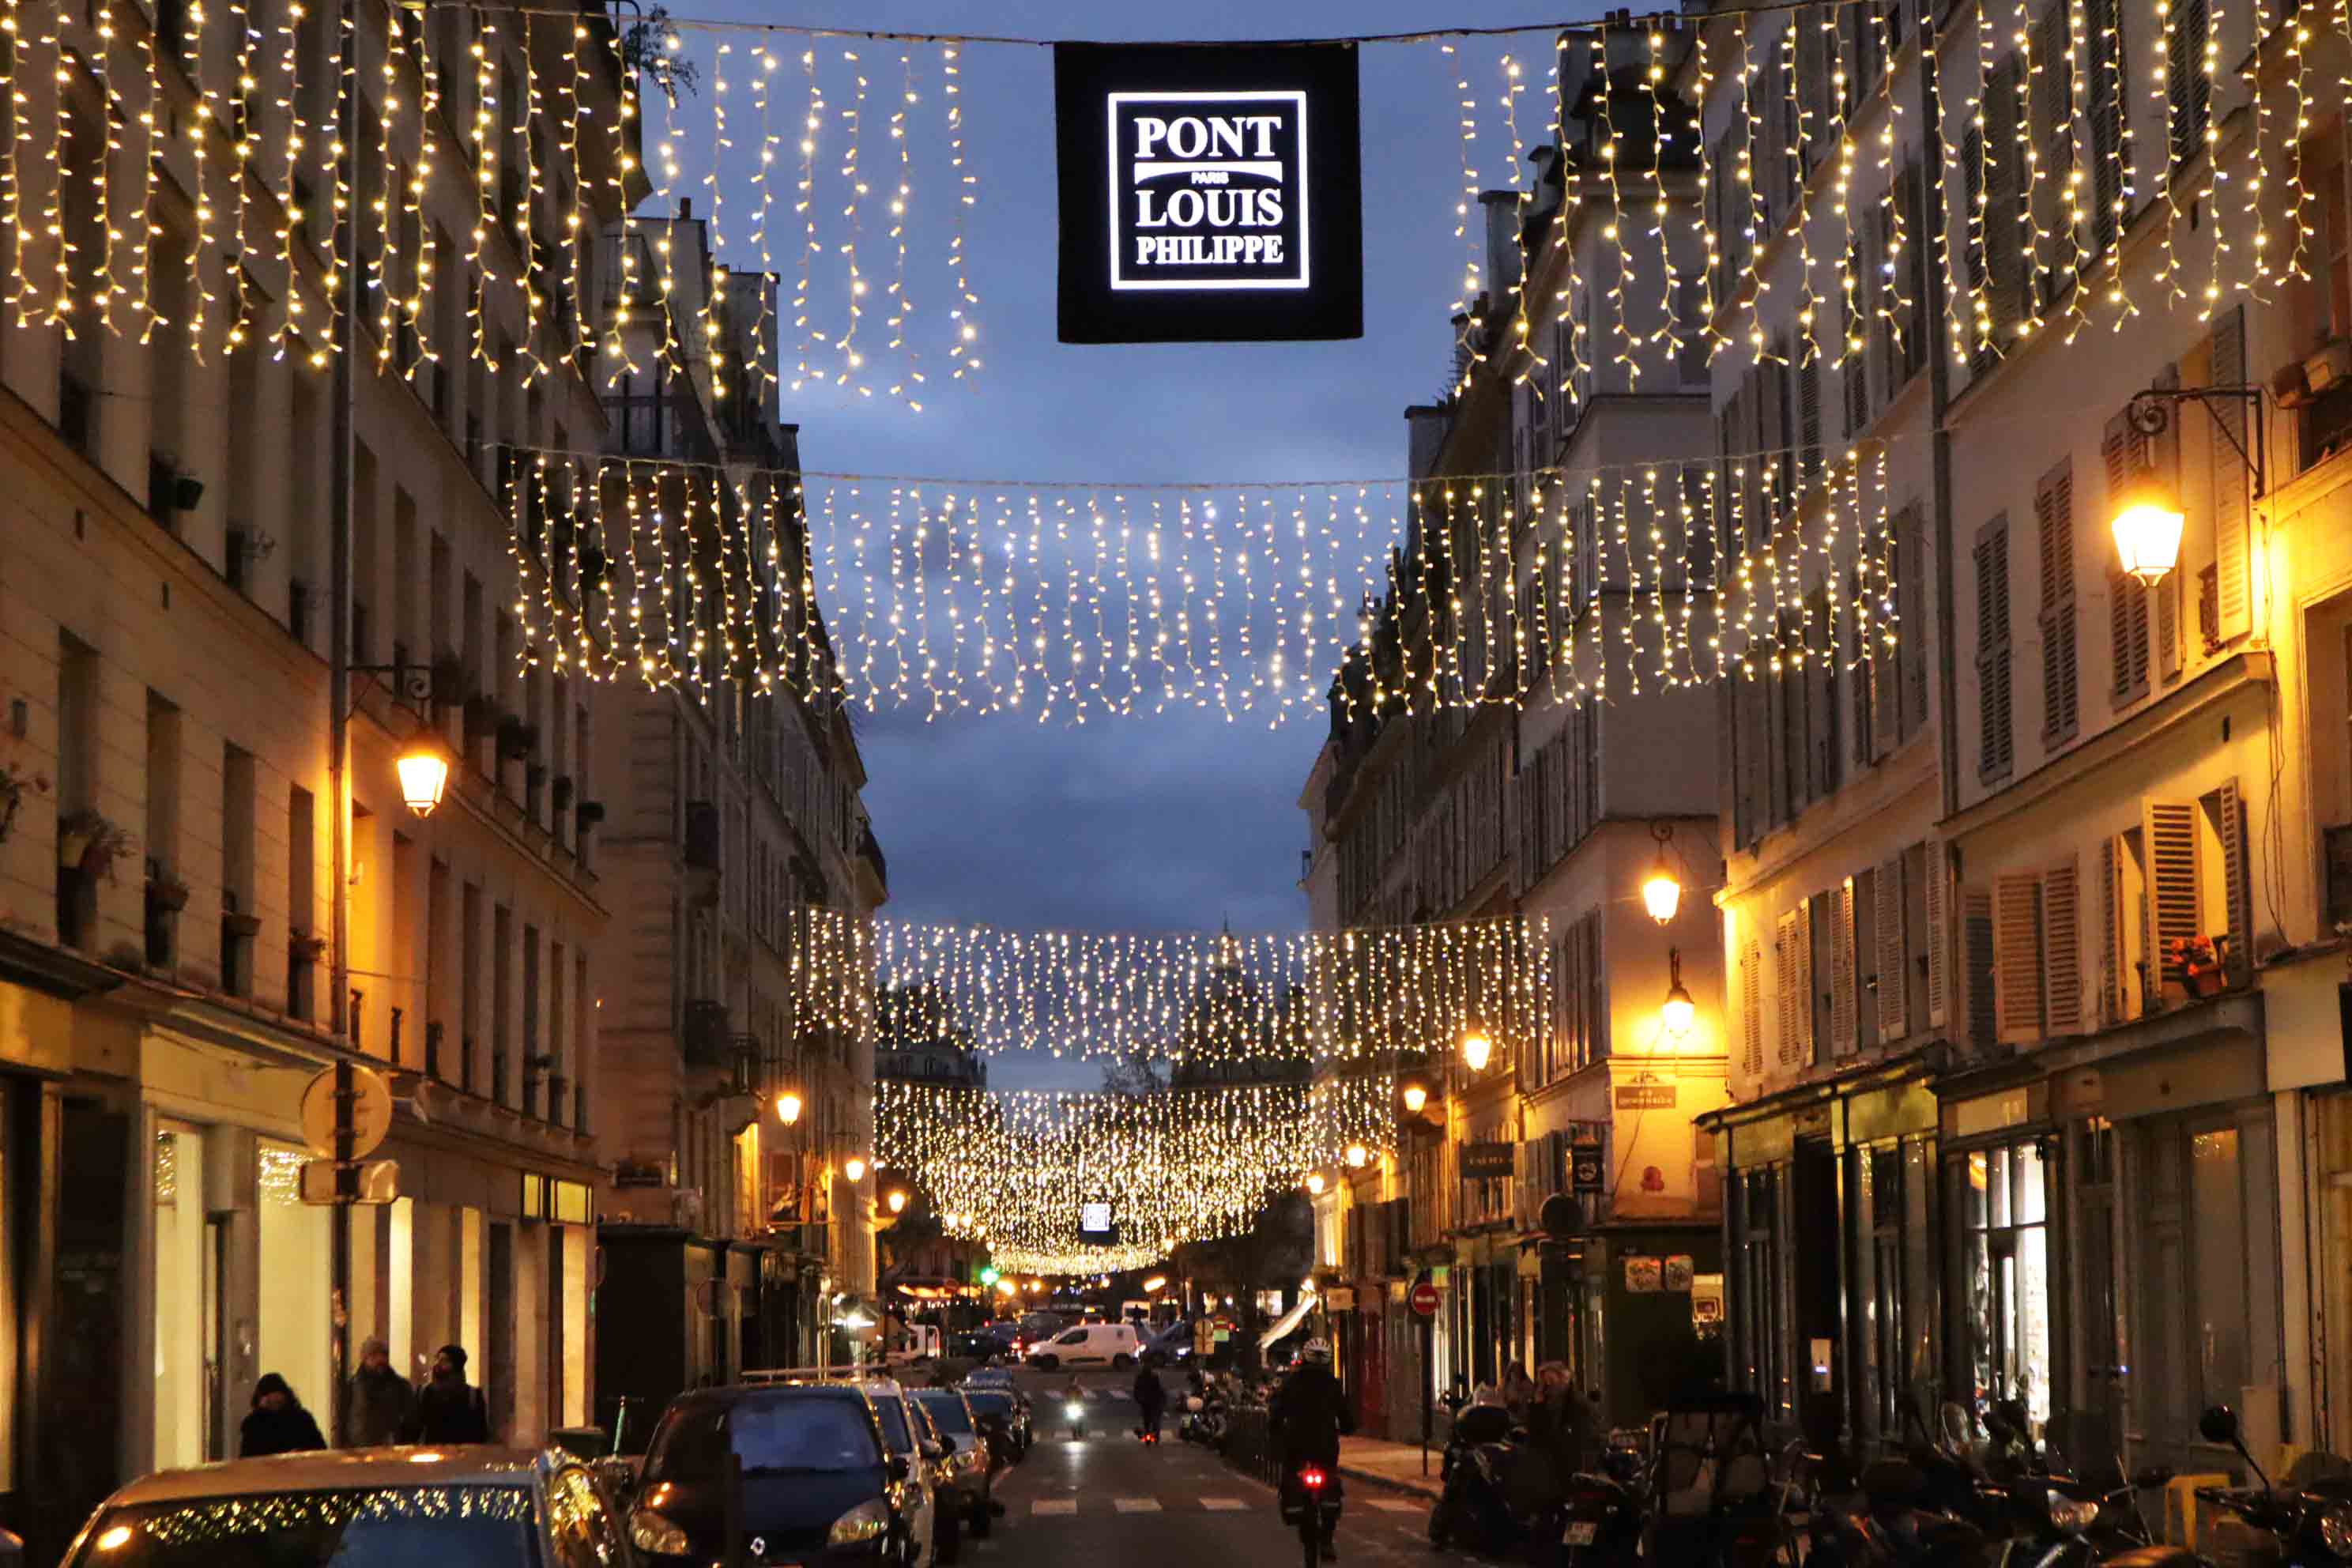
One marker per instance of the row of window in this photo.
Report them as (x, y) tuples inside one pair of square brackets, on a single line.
[(1852, 968)]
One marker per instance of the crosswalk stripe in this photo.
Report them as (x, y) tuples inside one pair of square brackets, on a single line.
[(1051, 1505), (1394, 1505), (1136, 1504), (1223, 1504)]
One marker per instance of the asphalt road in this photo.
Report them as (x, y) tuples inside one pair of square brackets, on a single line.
[(1108, 1499)]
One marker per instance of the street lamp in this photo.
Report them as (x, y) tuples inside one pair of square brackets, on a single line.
[(788, 1108), (2147, 538), (1476, 1049), (1662, 890), (854, 1168), (898, 1201), (1415, 1095), (1316, 1183), (1680, 1011), (1358, 1156), (424, 770)]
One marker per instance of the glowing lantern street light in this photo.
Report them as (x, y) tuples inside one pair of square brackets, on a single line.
[(898, 1203), (1679, 1011), (424, 770), (1415, 1097), (788, 1108), (1358, 1156), (1477, 1050), (1662, 890), (2147, 539), (1316, 1183), (854, 1168)]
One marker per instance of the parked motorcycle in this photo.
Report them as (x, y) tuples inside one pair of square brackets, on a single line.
[(2311, 1513), (1476, 1506)]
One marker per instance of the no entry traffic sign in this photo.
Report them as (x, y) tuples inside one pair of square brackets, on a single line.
[(1424, 1299)]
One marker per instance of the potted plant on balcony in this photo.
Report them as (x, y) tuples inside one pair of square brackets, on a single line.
[(305, 948), (2202, 963), (167, 893), (89, 844), (15, 781)]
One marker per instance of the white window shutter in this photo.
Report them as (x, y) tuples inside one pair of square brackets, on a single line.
[(1844, 1034), (2168, 835), (1751, 1009), (2230, 827), (2114, 984), (1803, 915), (1789, 994), (1977, 931), (1894, 993), (1935, 896), (2233, 592), (2062, 947), (2017, 957)]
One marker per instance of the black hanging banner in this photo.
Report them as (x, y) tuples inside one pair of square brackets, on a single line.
[(1209, 193)]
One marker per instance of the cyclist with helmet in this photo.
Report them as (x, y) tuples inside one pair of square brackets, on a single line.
[(1307, 1414)]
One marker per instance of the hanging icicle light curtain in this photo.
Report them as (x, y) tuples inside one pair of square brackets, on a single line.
[(847, 165), (1176, 1166), (1078, 602), (1198, 997)]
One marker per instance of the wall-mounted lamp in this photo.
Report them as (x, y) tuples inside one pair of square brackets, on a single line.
[(1679, 1011)]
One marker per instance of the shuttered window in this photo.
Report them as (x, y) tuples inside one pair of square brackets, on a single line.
[(1935, 896), (2168, 841), (1887, 929), (2232, 601), (1751, 1009), (1911, 616), (1862, 666), (2189, 91), (1581, 999), (1822, 758), (2118, 984), (2225, 822), (2106, 102), (1794, 971), (2053, 519), (1976, 966), (2062, 949), (1843, 975), (2017, 957), (1857, 323), (2129, 458), (1996, 751)]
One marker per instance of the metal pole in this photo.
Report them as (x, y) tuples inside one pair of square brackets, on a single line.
[(1428, 1370), (340, 500)]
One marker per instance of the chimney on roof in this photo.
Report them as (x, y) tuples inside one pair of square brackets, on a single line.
[(686, 206), (1502, 242)]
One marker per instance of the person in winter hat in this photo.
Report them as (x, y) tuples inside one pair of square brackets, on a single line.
[(380, 1400), (277, 1423), (448, 1409)]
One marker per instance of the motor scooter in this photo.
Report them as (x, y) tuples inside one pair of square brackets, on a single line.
[(1074, 1410)]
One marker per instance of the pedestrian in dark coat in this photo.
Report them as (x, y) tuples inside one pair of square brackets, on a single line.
[(1153, 1398), (380, 1401), (449, 1409), (277, 1423)]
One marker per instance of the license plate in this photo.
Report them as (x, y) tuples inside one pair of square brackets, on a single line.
[(1580, 1532)]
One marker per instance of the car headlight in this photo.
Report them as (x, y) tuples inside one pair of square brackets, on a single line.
[(650, 1532), (2336, 1531), (867, 1521), (2070, 1514)]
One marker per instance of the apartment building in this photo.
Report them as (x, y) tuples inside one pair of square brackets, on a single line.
[(737, 1230), (168, 870), (1550, 802)]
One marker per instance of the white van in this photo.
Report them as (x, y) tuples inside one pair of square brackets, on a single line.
[(1089, 1344)]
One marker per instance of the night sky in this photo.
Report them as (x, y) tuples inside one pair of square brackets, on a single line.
[(1147, 823)]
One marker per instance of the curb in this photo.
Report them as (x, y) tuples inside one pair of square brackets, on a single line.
[(1391, 1483)]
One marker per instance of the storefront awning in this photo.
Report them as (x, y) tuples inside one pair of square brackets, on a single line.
[(1287, 1323)]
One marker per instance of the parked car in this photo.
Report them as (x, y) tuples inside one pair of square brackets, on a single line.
[(1089, 1344), (468, 1508), (906, 1435), (819, 1484), (969, 1487), (1169, 1345)]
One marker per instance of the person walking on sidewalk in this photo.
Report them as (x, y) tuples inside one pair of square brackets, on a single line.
[(380, 1400), (277, 1423), (450, 1409)]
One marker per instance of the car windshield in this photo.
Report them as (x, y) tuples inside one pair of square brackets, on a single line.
[(781, 1434), (992, 1402), (947, 1411), (386, 1527), (894, 1424)]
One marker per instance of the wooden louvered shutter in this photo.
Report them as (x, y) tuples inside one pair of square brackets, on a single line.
[(1995, 746), (2053, 517), (1861, 677), (2233, 591), (2005, 270), (2115, 982), (2190, 88), (2061, 948), (2168, 836), (2236, 889), (1976, 961), (1803, 1015), (2166, 594), (2017, 957), (1911, 610), (1845, 1033), (2109, 89), (1886, 926), (2124, 452), (1751, 1009), (1936, 898), (1787, 1000)]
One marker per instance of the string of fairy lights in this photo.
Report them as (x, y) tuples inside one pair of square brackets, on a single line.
[(523, 166), (1200, 998), (1085, 600), (1176, 1165)]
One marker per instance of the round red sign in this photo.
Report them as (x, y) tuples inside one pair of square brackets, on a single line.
[(1424, 1299)]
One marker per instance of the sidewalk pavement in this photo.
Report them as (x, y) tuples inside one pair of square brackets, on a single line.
[(1394, 1465)]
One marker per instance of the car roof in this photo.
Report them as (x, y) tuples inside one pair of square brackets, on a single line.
[(881, 1387), (337, 1469)]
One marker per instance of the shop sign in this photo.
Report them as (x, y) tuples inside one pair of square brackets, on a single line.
[(1339, 1298), (1096, 1227), (1679, 1271), (1645, 1096), (1486, 1161), (1706, 1300), (1208, 195), (1586, 1171), (1644, 1275)]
